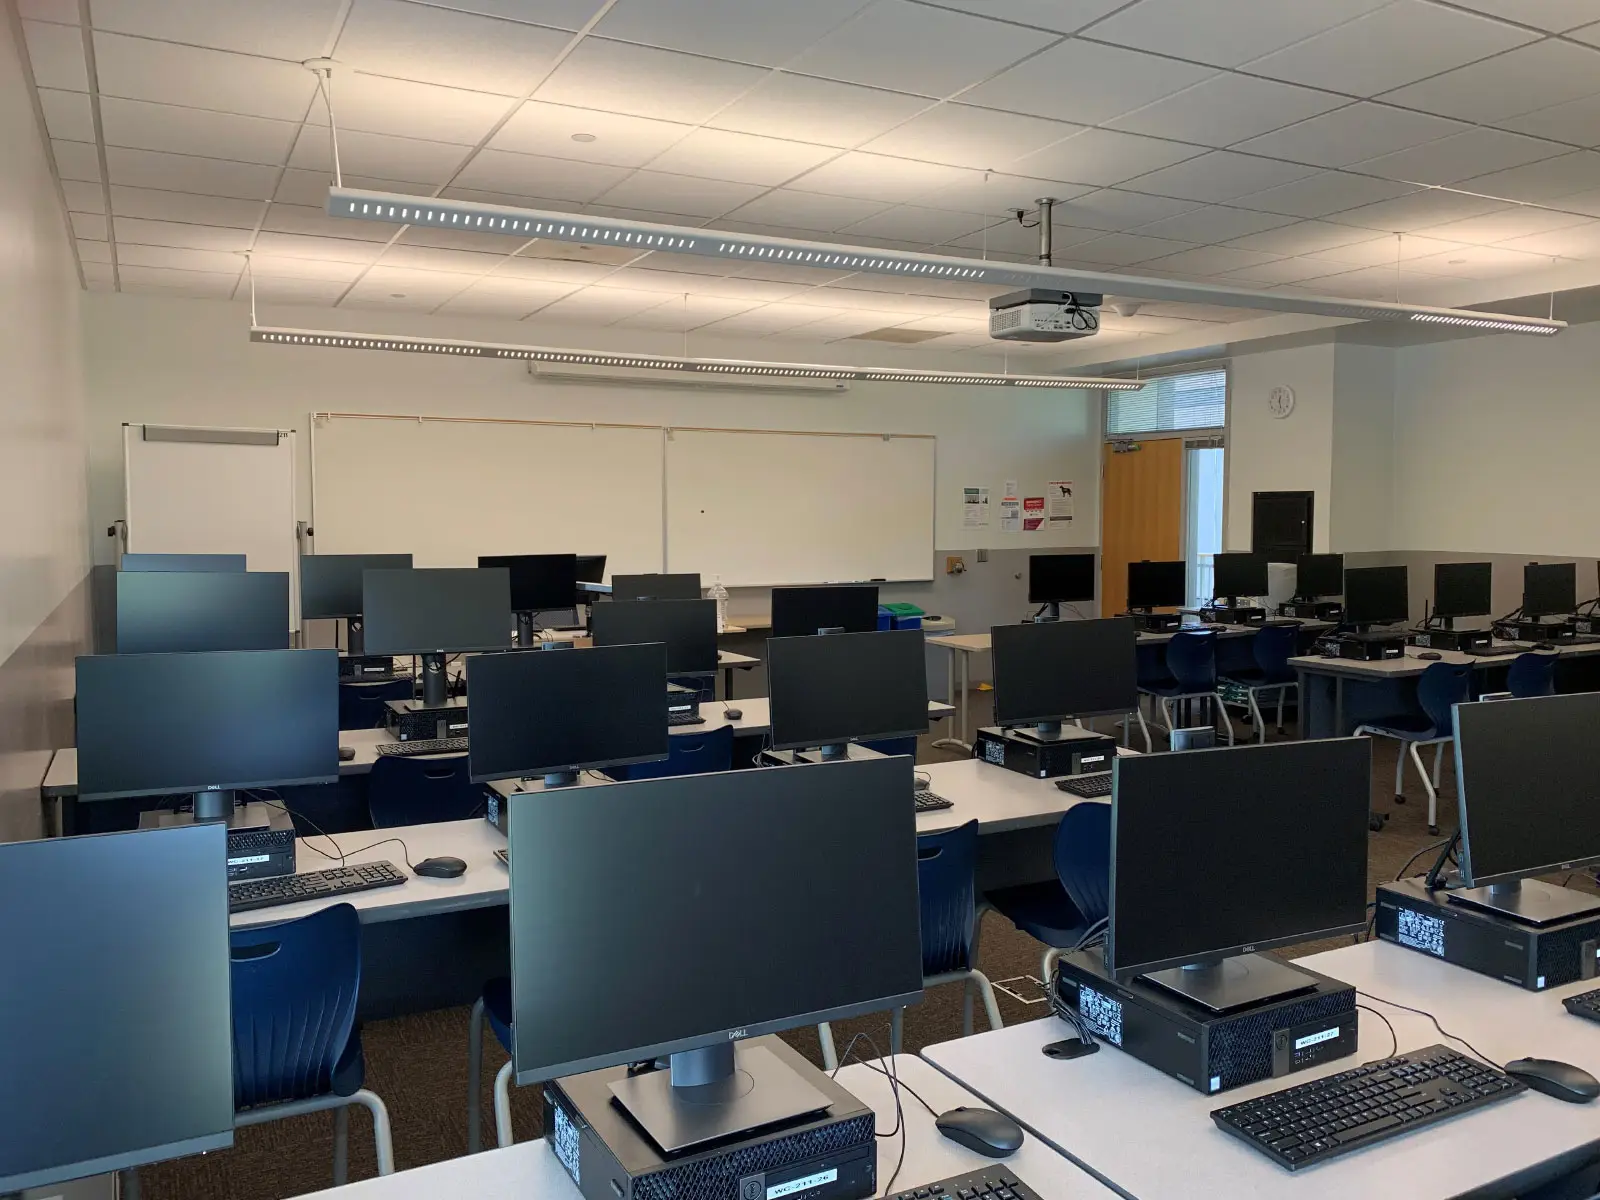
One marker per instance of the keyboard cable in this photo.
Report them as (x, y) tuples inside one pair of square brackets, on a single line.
[(894, 1088), (338, 855), (1394, 1042), (1443, 1032)]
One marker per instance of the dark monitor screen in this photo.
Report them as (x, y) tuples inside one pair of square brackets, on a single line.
[(1549, 589), (1239, 575), (1530, 796), (1376, 595), (698, 872), (1158, 585), (116, 1030), (330, 584), (802, 611), (1061, 578), (437, 610), (1462, 589), (1208, 858), (541, 711), (656, 587), (538, 581), (1319, 575), (1064, 669), (155, 724), (182, 562), (688, 629), (846, 687), (591, 568), (163, 611)]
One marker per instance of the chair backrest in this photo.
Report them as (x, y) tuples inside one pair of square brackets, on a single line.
[(1274, 647), (688, 754), (947, 867), (1532, 674), (294, 1004), (417, 791), (895, 747), (361, 705), (1083, 858), (1192, 659), (1442, 687)]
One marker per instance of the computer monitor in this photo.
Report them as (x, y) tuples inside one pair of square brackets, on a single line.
[(1462, 590), (1218, 853), (656, 587), (539, 582), (694, 874), (182, 562), (163, 611), (1235, 575), (688, 629), (211, 724), (1157, 585), (1046, 673), (827, 691), (330, 584), (1061, 579), (434, 612), (116, 1029), (1318, 575), (1376, 596), (591, 568), (1549, 589), (833, 608), (557, 712)]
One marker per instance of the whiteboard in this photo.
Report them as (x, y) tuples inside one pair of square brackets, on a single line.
[(762, 508), (213, 491), (447, 490)]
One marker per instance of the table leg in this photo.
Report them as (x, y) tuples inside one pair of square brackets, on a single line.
[(727, 683), (1338, 706), (958, 742)]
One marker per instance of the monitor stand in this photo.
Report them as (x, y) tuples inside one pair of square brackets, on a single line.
[(435, 683), (847, 751), (1051, 612), (355, 637), (1236, 982), (1048, 732), (716, 1093), (210, 806), (1529, 901), (554, 781)]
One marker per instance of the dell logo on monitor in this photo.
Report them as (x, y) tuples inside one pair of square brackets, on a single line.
[(735, 1034)]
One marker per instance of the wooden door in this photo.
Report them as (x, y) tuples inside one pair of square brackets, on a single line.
[(1141, 514)]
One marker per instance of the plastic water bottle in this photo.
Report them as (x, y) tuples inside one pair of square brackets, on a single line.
[(720, 594)]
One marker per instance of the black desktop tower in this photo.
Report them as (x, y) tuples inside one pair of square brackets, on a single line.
[(1209, 1051), (830, 1155), (1467, 641), (1535, 957), (260, 852), (1313, 610), (1157, 622), (683, 703), (413, 721), (1075, 752), (1535, 631), (1586, 626), (1238, 615), (1362, 647), (362, 668)]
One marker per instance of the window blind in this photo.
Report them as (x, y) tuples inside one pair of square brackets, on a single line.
[(1196, 400)]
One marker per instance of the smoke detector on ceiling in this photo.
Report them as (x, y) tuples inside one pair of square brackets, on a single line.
[(1043, 315)]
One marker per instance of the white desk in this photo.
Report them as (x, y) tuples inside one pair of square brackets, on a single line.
[(998, 799), (1153, 1138)]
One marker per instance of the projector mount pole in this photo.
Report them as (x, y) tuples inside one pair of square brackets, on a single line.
[(1046, 204)]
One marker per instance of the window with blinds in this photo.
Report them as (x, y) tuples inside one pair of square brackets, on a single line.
[(1195, 400)]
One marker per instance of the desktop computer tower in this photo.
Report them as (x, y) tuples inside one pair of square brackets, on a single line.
[(1362, 647), (1209, 1051), (1240, 615), (1157, 622), (413, 721), (362, 668), (1535, 631), (1468, 641), (1075, 752), (1313, 610), (683, 703)]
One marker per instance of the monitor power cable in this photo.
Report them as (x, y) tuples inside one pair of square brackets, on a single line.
[(894, 1086)]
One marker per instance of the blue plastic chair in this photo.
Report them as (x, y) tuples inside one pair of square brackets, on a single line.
[(1273, 647), (1061, 912), (687, 754), (1532, 674), (895, 747), (420, 791), (495, 1004), (1439, 689), (1192, 662), (362, 705)]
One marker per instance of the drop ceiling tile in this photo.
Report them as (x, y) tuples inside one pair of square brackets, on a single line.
[(67, 115), (964, 136), (879, 177), (1482, 262), (1419, 210), (1104, 157), (289, 245), (96, 272), (947, 289), (1351, 135), (315, 222), (416, 288), (1544, 182), (156, 205), (287, 29), (1577, 121), (1084, 82), (645, 82), (769, 318), (1587, 203), (287, 289), (264, 265), (1505, 226), (1322, 194), (806, 210), (407, 160), (1372, 283), (1557, 16), (680, 194), (138, 125), (836, 325), (1210, 260), (782, 273), (89, 225), (1278, 270), (55, 53), (435, 258), (1215, 223), (1589, 34), (62, 12), (819, 111), (1453, 159), (1124, 249), (909, 223), (310, 188), (536, 175), (767, 35), (848, 299), (529, 265), (370, 104), (1008, 238), (685, 313), (1220, 175), (1542, 75), (181, 259), (556, 14), (83, 197), (589, 257), (433, 45), (1226, 109), (1059, 16), (756, 291), (185, 173), (549, 129), (91, 251), (477, 303), (1114, 210), (601, 304), (1303, 237), (911, 48), (134, 231), (1577, 241), (1386, 251), (220, 80), (207, 285), (1225, 36), (741, 157), (469, 240)]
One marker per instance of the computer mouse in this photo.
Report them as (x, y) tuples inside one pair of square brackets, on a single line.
[(983, 1130), (1430, 655), (733, 714), (441, 868), (346, 753), (1544, 646), (1561, 1080)]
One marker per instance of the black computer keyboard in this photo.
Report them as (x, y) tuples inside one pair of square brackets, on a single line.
[(685, 718), (990, 1183), (423, 746), (313, 885), (1585, 1005), (931, 802), (1327, 1117), (1089, 787)]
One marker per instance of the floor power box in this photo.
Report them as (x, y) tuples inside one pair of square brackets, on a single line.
[(1074, 752), (1209, 1051)]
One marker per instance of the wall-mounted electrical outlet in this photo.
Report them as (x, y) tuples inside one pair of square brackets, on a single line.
[(983, 556), (955, 565)]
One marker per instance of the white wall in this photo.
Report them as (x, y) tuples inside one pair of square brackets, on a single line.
[(1267, 454), (1362, 517)]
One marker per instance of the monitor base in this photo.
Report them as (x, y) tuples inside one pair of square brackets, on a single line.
[(1530, 901), (1233, 983), (251, 815), (852, 753)]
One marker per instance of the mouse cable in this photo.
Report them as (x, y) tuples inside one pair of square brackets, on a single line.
[(1449, 1037), (894, 1088), (873, 1066), (338, 855), (1394, 1042)]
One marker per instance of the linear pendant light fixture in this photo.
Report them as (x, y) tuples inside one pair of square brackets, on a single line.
[(395, 209)]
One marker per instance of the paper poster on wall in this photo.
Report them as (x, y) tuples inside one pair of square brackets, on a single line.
[(975, 507), (1061, 508), (1033, 514), (1011, 515)]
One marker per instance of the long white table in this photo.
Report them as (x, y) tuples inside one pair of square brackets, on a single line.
[(1152, 1137)]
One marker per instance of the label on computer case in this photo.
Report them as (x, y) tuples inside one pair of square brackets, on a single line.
[(994, 752), (1102, 1014), (1420, 932), (567, 1143)]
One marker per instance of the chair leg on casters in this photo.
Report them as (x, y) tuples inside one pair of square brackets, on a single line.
[(991, 1006), (1255, 716), (475, 1078), (1222, 713), (128, 1182), (1438, 754), (1399, 775), (341, 1146), (830, 1055), (966, 1008), (1283, 694), (382, 1135), (1046, 963), (897, 1030), (502, 1107), (1433, 796), (1149, 746)]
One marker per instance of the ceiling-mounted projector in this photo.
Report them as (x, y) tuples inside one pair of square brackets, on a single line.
[(1042, 315)]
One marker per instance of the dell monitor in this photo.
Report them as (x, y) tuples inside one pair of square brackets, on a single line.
[(688, 629), (831, 690), (1319, 575), (116, 1028), (1057, 579), (656, 587), (1549, 589), (210, 724), (539, 582), (558, 712), (694, 875), (1462, 590), (163, 611), (591, 568), (1376, 596), (182, 562), (1046, 673), (1530, 803), (1153, 585), (434, 612), (834, 608), (330, 588), (1208, 863), (1235, 575)]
